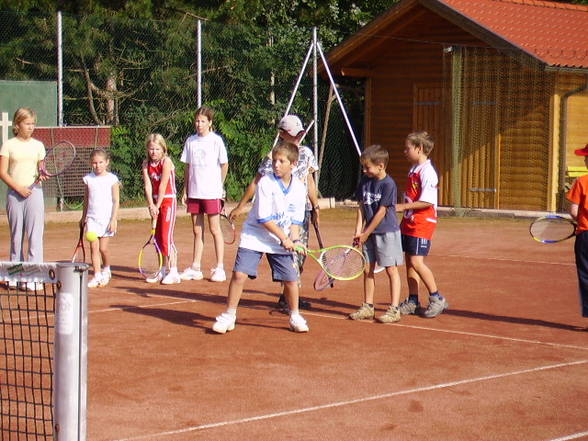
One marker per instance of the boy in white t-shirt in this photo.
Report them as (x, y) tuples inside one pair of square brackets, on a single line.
[(207, 164), (272, 228)]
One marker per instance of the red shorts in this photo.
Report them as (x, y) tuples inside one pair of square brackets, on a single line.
[(204, 206), (166, 221)]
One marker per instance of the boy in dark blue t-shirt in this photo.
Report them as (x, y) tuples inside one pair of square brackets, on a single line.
[(378, 232)]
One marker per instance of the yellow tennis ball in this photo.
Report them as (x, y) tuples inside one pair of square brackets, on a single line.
[(91, 236)]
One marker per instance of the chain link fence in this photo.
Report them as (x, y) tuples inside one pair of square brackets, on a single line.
[(140, 76)]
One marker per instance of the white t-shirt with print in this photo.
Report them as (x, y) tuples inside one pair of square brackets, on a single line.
[(275, 202), (306, 164), (100, 195), (204, 156)]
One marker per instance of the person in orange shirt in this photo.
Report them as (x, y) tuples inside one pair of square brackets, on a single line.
[(578, 197)]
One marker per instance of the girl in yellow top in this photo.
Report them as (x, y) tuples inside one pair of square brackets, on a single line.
[(20, 158)]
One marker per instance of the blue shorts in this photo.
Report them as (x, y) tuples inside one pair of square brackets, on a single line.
[(284, 268), (415, 246)]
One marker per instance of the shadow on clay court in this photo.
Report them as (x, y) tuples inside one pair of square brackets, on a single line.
[(189, 319), (506, 319)]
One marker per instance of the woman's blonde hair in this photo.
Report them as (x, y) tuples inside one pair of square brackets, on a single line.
[(20, 115), (156, 138)]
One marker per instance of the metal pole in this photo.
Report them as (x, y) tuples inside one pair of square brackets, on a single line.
[(199, 62), (71, 352), (318, 45), (296, 86), (59, 70), (315, 91)]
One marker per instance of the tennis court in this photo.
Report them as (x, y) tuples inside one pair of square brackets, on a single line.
[(507, 361)]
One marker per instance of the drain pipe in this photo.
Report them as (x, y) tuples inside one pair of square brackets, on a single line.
[(563, 131)]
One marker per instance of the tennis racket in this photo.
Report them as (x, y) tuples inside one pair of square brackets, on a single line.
[(227, 227), (57, 160), (340, 262), (552, 229), (79, 254), (150, 257), (322, 279)]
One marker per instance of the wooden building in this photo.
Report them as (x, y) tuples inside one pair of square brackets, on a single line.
[(502, 85)]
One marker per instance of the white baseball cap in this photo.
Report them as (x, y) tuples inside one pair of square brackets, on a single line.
[(291, 124)]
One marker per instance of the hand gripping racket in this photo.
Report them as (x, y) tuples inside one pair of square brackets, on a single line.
[(340, 262), (57, 160), (79, 254), (150, 257), (322, 279), (552, 229), (226, 226)]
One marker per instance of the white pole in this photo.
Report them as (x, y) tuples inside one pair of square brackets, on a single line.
[(71, 352), (199, 62), (315, 91), (59, 70), (339, 99)]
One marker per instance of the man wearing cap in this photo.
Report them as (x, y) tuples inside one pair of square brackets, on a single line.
[(290, 129), (578, 197)]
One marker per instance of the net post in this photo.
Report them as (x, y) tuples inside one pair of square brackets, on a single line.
[(71, 350)]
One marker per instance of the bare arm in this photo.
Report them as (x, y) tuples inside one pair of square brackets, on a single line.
[(249, 193), (380, 214), (186, 182), (148, 188), (112, 227), (412, 205), (224, 171), (287, 242), (24, 191), (574, 211)]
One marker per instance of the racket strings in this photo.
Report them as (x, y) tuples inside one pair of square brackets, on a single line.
[(59, 158), (227, 228), (551, 229), (342, 262), (150, 261)]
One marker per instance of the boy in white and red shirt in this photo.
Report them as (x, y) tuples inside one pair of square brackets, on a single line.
[(418, 224)]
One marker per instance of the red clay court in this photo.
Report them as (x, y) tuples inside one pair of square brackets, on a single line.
[(507, 361)]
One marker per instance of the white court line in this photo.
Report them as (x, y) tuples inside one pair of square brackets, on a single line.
[(471, 334), (355, 401), (505, 259), (424, 328), (567, 437)]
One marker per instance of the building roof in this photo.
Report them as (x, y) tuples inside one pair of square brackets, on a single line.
[(553, 33)]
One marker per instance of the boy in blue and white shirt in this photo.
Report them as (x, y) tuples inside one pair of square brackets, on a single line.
[(272, 228)]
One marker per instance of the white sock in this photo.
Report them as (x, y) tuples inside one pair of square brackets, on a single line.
[(232, 311)]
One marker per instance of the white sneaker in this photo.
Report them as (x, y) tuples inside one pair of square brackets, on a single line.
[(171, 278), (224, 322), (105, 277), (217, 275), (298, 324), (158, 277), (96, 281), (191, 274)]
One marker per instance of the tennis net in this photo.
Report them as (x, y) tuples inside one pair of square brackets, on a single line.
[(42, 351)]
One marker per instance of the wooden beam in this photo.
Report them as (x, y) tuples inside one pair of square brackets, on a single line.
[(356, 72)]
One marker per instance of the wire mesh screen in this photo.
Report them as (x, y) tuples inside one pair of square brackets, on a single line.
[(503, 104), (139, 76), (26, 353)]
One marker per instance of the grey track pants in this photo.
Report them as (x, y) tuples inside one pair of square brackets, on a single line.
[(26, 218)]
